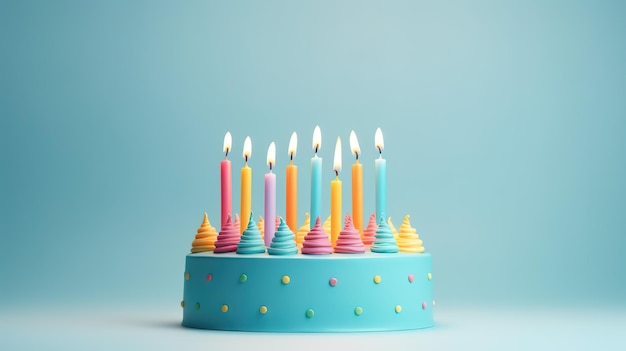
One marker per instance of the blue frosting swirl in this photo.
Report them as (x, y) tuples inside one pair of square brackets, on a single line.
[(251, 241), (384, 242), (284, 242)]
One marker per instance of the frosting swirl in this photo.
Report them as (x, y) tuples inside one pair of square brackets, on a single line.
[(261, 225), (327, 225), (283, 242), (303, 230), (317, 242), (385, 242), (228, 238), (408, 239), (251, 241), (392, 227), (349, 240), (205, 237), (369, 233)]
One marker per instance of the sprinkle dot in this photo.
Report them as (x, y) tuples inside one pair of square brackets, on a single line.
[(243, 277), (263, 309), (286, 280), (209, 277), (358, 311), (411, 278), (187, 276), (332, 281), (398, 308), (424, 305), (224, 308), (310, 313), (377, 279), (197, 305), (182, 303), (430, 276)]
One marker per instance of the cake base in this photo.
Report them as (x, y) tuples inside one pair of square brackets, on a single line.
[(308, 293)]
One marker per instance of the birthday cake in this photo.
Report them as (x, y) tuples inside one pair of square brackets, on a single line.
[(269, 277)]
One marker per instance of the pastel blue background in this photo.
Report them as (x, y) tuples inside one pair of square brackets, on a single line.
[(504, 125)]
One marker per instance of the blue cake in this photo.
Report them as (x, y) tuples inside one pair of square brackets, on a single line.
[(313, 288)]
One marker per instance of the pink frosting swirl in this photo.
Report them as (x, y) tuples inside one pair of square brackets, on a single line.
[(228, 238), (349, 240), (369, 234), (317, 242)]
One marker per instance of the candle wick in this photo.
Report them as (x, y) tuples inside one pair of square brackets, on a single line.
[(270, 166), (357, 156), (227, 149), (291, 156), (336, 173), (246, 159), (380, 151), (316, 146)]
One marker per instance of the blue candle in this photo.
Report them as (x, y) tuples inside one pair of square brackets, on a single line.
[(381, 178), (316, 176)]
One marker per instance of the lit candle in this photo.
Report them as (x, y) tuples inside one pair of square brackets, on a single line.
[(381, 177), (316, 176), (226, 185), (291, 203), (245, 205), (270, 196), (336, 220), (357, 185)]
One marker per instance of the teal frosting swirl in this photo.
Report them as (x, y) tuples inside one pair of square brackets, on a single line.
[(384, 242), (251, 241), (284, 242)]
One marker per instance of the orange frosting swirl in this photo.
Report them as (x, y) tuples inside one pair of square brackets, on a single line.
[(327, 225), (369, 234), (392, 227), (261, 225), (205, 237), (408, 239)]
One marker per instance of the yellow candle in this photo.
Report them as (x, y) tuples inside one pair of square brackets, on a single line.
[(291, 203), (357, 185), (246, 187), (336, 219)]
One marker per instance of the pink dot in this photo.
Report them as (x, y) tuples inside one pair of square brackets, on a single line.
[(424, 305), (411, 278), (332, 281), (209, 277)]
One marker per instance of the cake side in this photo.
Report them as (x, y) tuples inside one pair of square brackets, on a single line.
[(306, 293)]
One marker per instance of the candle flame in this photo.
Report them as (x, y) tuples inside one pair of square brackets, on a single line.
[(293, 145), (317, 139), (354, 145), (247, 148), (228, 140), (271, 154), (378, 139), (337, 163)]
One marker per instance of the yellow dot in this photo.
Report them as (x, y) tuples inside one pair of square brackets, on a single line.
[(263, 309), (224, 308), (358, 311), (182, 303), (187, 276), (286, 279), (430, 276), (398, 308), (377, 279)]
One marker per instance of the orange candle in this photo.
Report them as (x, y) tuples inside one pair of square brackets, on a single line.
[(357, 185), (291, 203), (246, 187), (336, 219)]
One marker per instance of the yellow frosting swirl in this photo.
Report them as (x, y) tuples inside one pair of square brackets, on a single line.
[(408, 240), (205, 237), (303, 230), (326, 225), (392, 227), (261, 225)]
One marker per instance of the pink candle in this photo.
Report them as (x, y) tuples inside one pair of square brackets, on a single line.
[(226, 182), (270, 197)]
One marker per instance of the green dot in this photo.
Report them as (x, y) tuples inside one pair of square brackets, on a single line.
[(243, 277), (358, 311), (310, 313), (197, 305)]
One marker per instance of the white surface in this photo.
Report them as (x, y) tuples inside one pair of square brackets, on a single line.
[(100, 328)]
